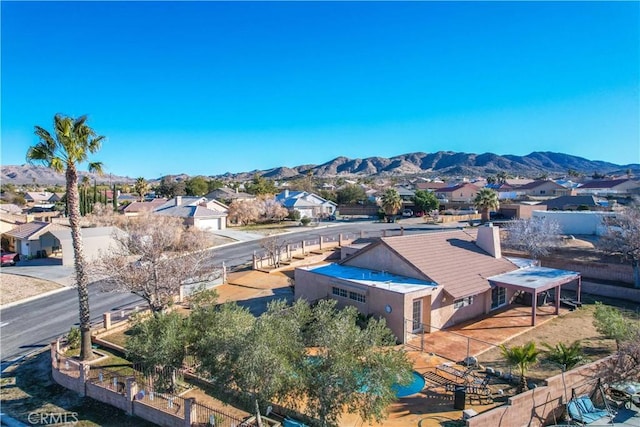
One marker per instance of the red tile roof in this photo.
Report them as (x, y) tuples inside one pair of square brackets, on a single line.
[(451, 259)]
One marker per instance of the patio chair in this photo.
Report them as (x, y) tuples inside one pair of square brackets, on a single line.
[(582, 410)]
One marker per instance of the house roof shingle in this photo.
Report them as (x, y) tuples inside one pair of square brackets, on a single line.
[(451, 259), (32, 229)]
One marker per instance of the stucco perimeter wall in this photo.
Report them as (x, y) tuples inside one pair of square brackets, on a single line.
[(592, 270), (156, 416), (574, 222), (539, 406), (109, 397)]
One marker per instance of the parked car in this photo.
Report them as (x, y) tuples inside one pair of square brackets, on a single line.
[(407, 213), (9, 258)]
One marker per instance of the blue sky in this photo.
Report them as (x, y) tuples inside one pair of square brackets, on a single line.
[(214, 87)]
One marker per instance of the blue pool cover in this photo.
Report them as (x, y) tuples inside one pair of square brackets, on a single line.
[(288, 422)]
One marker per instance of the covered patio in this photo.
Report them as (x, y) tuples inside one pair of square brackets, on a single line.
[(536, 280)]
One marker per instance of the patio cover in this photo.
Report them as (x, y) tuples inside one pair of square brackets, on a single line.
[(535, 280)]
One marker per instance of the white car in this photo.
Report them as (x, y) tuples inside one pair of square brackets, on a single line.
[(407, 213)]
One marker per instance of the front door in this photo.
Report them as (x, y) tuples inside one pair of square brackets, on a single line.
[(498, 297), (417, 315)]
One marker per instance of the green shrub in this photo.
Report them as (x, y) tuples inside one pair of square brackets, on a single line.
[(305, 221), (294, 215), (73, 338)]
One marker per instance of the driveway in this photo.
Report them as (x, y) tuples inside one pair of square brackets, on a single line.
[(240, 236), (46, 269)]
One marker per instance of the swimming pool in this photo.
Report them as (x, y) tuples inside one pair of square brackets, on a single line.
[(416, 385)]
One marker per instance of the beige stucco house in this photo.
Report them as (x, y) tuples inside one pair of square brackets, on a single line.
[(425, 282)]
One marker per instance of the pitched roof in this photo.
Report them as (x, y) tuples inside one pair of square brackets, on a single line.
[(604, 183), (536, 184), (430, 185), (190, 212), (38, 196), (144, 206), (228, 193), (32, 229), (10, 208), (449, 258), (456, 187), (562, 201)]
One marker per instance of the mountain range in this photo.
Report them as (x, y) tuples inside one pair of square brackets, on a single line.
[(441, 164)]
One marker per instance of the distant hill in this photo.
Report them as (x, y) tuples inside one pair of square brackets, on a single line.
[(447, 164), (30, 174), (441, 163)]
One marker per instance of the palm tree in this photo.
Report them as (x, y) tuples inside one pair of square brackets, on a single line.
[(141, 187), (485, 200), (566, 355), (521, 357), (390, 202), (69, 146)]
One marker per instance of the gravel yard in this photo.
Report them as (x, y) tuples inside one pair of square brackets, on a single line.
[(15, 288)]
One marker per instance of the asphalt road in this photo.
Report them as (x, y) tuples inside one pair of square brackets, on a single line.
[(34, 324)]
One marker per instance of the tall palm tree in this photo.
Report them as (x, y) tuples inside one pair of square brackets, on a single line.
[(391, 202), (485, 200), (522, 357), (71, 143), (141, 187)]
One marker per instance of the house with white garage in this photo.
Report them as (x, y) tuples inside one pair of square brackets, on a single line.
[(196, 212), (31, 239), (429, 281), (309, 205)]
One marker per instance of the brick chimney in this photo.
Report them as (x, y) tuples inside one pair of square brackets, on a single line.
[(489, 240)]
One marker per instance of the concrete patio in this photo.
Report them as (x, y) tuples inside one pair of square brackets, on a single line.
[(474, 337)]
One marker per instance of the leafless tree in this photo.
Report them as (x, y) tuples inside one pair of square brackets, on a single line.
[(273, 210), (154, 256), (273, 247), (622, 237), (535, 236), (245, 211)]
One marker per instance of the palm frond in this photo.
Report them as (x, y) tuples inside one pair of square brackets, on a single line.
[(96, 167)]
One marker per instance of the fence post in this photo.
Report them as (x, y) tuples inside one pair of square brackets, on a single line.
[(84, 375), (362, 234), (224, 272), (181, 294), (189, 411), (340, 239), (255, 261), (131, 390), (320, 242), (288, 252), (303, 248), (106, 320)]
